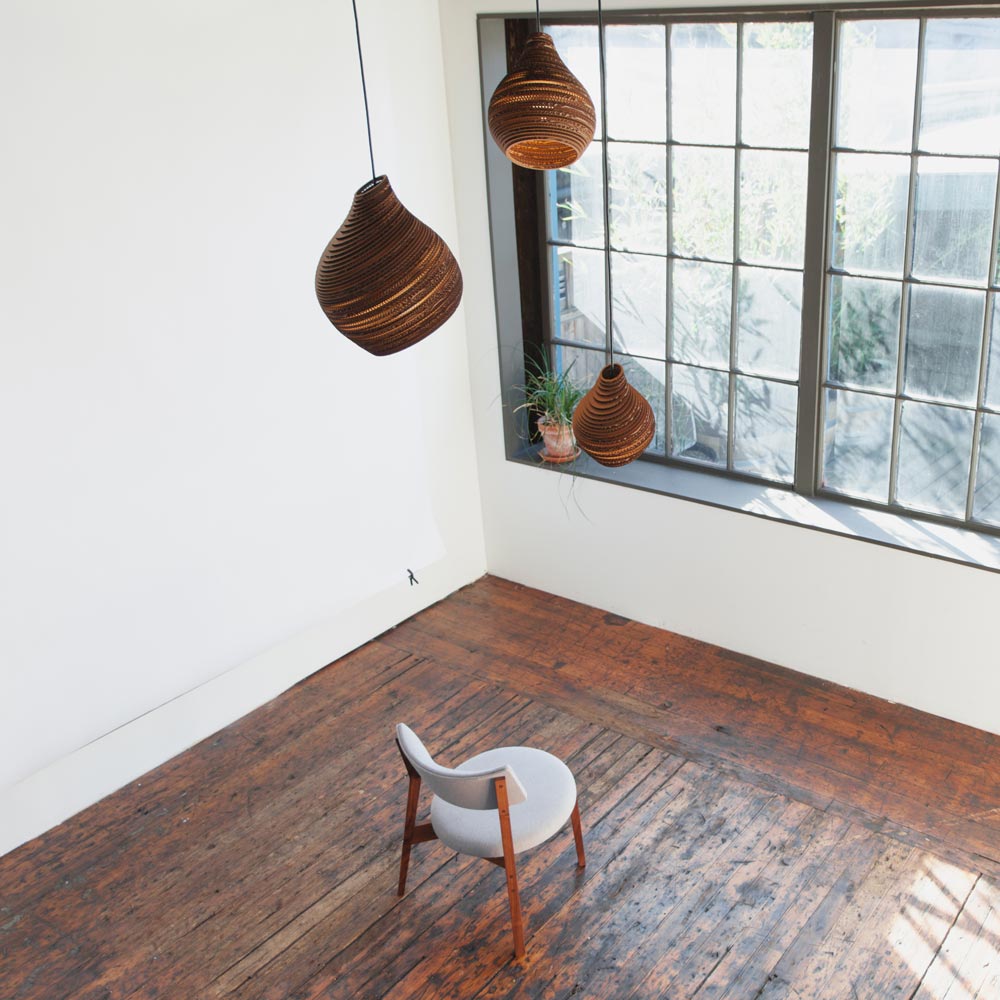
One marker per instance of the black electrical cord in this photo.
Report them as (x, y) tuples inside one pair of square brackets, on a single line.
[(364, 89)]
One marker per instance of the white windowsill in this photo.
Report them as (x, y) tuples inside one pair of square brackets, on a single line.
[(839, 517)]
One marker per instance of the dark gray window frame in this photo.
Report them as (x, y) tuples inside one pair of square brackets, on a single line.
[(801, 504)]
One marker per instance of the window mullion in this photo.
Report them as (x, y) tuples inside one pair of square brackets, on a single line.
[(904, 302), (734, 284), (984, 357), (668, 372), (810, 353)]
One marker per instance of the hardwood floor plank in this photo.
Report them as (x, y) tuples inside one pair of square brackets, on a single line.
[(962, 963), (751, 833), (298, 959)]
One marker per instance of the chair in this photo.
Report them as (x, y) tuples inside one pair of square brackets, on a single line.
[(494, 806)]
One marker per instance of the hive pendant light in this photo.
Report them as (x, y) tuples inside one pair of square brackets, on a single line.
[(613, 423), (385, 280), (540, 115)]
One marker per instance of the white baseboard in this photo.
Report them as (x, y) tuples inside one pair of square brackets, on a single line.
[(83, 777)]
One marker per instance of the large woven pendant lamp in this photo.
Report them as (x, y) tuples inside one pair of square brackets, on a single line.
[(385, 280), (540, 115), (613, 423)]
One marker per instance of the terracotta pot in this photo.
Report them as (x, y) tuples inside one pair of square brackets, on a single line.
[(558, 438)]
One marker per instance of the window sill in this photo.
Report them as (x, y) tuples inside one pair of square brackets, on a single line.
[(837, 517)]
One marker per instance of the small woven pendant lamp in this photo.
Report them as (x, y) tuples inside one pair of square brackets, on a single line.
[(540, 115), (614, 422), (385, 280)]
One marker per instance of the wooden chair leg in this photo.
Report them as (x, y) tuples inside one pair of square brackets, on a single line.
[(412, 798), (510, 868), (581, 859)]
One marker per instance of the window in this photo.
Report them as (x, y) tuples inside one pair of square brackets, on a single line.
[(804, 268)]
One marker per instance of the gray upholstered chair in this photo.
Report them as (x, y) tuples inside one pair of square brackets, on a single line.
[(494, 806)]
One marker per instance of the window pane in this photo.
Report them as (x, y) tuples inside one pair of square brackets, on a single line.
[(638, 197), (639, 304), (702, 299), (960, 111), (577, 47), (993, 372), (583, 366), (764, 442), (944, 334), (703, 83), (857, 443), (864, 332), (777, 84), (986, 503), (870, 212), (649, 377), (699, 414), (703, 202), (954, 218), (637, 81), (877, 73), (772, 207), (576, 205), (578, 299), (935, 450), (769, 311)]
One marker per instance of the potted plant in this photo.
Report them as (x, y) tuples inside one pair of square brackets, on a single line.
[(554, 397)]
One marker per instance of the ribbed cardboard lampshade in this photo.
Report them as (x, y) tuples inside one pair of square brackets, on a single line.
[(386, 280), (614, 422), (540, 115)]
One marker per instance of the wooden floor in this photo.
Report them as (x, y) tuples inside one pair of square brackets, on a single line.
[(752, 834)]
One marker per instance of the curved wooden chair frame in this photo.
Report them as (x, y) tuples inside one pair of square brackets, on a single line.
[(420, 834)]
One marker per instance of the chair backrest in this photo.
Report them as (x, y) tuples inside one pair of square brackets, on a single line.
[(468, 789)]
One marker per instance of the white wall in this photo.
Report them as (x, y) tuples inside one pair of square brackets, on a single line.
[(200, 475), (906, 627)]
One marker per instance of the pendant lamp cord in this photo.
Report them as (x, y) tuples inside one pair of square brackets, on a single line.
[(538, 15), (609, 335), (364, 89)]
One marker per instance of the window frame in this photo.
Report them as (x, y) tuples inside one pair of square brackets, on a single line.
[(522, 282)]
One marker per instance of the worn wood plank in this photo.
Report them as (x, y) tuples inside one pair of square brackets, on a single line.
[(751, 833)]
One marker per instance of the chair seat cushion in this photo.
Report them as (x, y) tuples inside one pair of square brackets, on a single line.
[(551, 796)]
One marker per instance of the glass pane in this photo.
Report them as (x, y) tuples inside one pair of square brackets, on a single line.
[(764, 443), (649, 377), (699, 414), (864, 332), (944, 334), (954, 218), (703, 83), (960, 109), (703, 202), (639, 304), (702, 299), (877, 73), (637, 81), (578, 296), (993, 373), (935, 451), (576, 205), (772, 207), (638, 197), (777, 83), (857, 443), (583, 366), (769, 311), (870, 212), (577, 47), (986, 502)]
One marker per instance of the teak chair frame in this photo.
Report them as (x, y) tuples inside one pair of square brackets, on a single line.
[(420, 834)]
